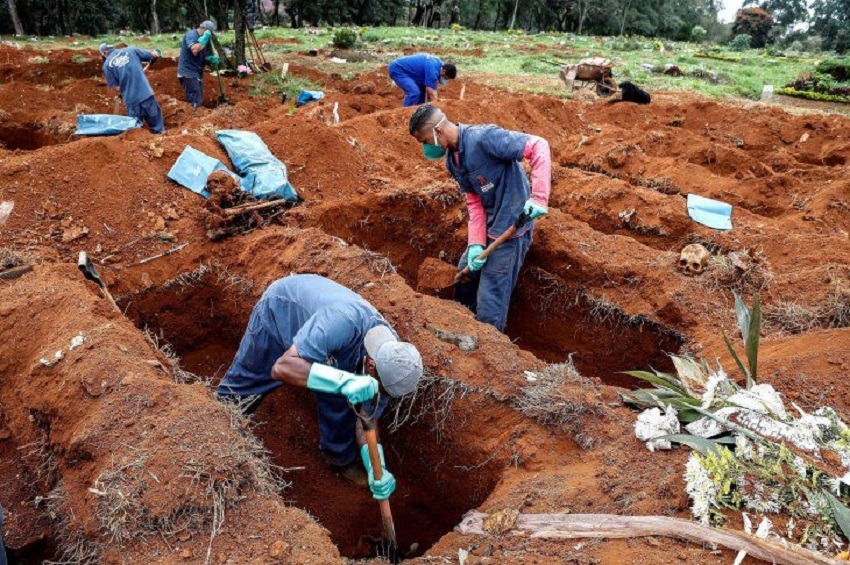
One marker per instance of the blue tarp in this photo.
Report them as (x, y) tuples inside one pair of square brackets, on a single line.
[(712, 213), (192, 169), (307, 96), (105, 124), (263, 174)]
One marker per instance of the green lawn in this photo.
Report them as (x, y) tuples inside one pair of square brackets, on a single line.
[(520, 61)]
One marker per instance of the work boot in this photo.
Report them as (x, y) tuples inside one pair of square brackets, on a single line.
[(353, 473)]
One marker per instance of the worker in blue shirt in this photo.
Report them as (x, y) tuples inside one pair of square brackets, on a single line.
[(2, 551), (485, 160), (419, 75), (309, 331), (195, 51), (124, 72)]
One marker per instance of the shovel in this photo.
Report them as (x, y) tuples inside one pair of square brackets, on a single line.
[(377, 471), (463, 275), (90, 272), (222, 99)]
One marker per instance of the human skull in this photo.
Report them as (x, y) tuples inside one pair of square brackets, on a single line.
[(693, 259)]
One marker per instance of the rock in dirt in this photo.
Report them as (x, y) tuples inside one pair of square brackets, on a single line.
[(74, 233), (501, 522), (279, 549), (435, 275), (463, 342)]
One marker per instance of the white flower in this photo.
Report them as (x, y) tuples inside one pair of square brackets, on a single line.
[(700, 488)]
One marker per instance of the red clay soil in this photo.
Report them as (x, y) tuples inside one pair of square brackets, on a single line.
[(600, 286)]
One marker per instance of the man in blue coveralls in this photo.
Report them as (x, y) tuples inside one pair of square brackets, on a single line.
[(418, 76), (2, 551), (309, 331), (124, 72), (195, 51), (485, 162)]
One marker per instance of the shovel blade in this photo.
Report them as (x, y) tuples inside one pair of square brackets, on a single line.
[(88, 269)]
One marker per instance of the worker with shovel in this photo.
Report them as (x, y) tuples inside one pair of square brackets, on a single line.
[(419, 76), (309, 331), (485, 162), (124, 72), (195, 52)]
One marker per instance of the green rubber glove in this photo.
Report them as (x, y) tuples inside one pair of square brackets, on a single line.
[(357, 388), (205, 38), (534, 210), (213, 60), (472, 260), (158, 53), (386, 486)]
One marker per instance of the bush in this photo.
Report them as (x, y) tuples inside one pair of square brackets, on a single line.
[(698, 34), (741, 42), (839, 69), (345, 38), (813, 43), (797, 46)]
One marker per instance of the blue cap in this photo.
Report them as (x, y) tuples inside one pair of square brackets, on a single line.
[(208, 25), (104, 48)]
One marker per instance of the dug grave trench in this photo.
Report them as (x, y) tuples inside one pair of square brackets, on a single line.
[(439, 477), (552, 318)]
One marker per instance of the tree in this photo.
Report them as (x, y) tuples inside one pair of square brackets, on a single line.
[(785, 12), (831, 20), (16, 20), (754, 22), (154, 18)]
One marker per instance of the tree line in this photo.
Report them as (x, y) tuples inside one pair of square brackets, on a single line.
[(791, 20)]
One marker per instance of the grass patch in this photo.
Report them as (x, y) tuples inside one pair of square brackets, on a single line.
[(272, 84), (816, 96)]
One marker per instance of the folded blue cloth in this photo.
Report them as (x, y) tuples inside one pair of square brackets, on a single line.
[(712, 213)]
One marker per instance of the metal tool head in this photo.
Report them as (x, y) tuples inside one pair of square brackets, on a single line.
[(88, 269), (522, 220)]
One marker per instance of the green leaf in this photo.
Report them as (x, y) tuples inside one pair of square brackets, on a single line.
[(698, 444), (840, 513), (656, 380), (752, 341), (737, 359), (742, 313), (725, 440)]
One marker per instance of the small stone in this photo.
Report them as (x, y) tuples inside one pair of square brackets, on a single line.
[(184, 535), (74, 233), (159, 223), (279, 549), (186, 554)]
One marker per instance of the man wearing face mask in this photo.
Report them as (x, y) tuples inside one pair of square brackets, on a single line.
[(485, 162), (418, 76)]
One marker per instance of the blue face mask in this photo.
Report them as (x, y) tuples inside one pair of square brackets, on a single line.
[(434, 151)]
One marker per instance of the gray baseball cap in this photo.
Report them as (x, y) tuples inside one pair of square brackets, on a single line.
[(399, 363), (105, 48), (207, 24)]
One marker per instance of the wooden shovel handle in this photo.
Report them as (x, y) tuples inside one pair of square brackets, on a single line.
[(378, 473)]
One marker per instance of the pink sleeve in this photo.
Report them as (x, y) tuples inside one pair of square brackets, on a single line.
[(477, 220), (538, 153)]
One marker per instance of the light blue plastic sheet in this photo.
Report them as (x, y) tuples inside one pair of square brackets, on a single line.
[(263, 174), (307, 96), (712, 213), (105, 124), (192, 169)]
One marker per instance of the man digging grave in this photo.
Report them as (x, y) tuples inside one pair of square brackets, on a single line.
[(419, 76), (485, 162), (309, 331), (195, 51), (124, 72)]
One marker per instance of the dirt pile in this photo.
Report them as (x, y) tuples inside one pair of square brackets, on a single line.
[(530, 420)]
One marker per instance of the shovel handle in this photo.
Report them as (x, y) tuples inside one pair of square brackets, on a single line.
[(371, 437), (521, 221)]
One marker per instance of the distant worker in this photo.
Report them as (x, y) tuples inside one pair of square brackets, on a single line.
[(485, 162), (2, 551), (309, 331), (124, 72), (195, 51), (419, 76)]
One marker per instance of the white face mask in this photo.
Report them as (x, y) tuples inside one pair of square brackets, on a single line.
[(434, 131)]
